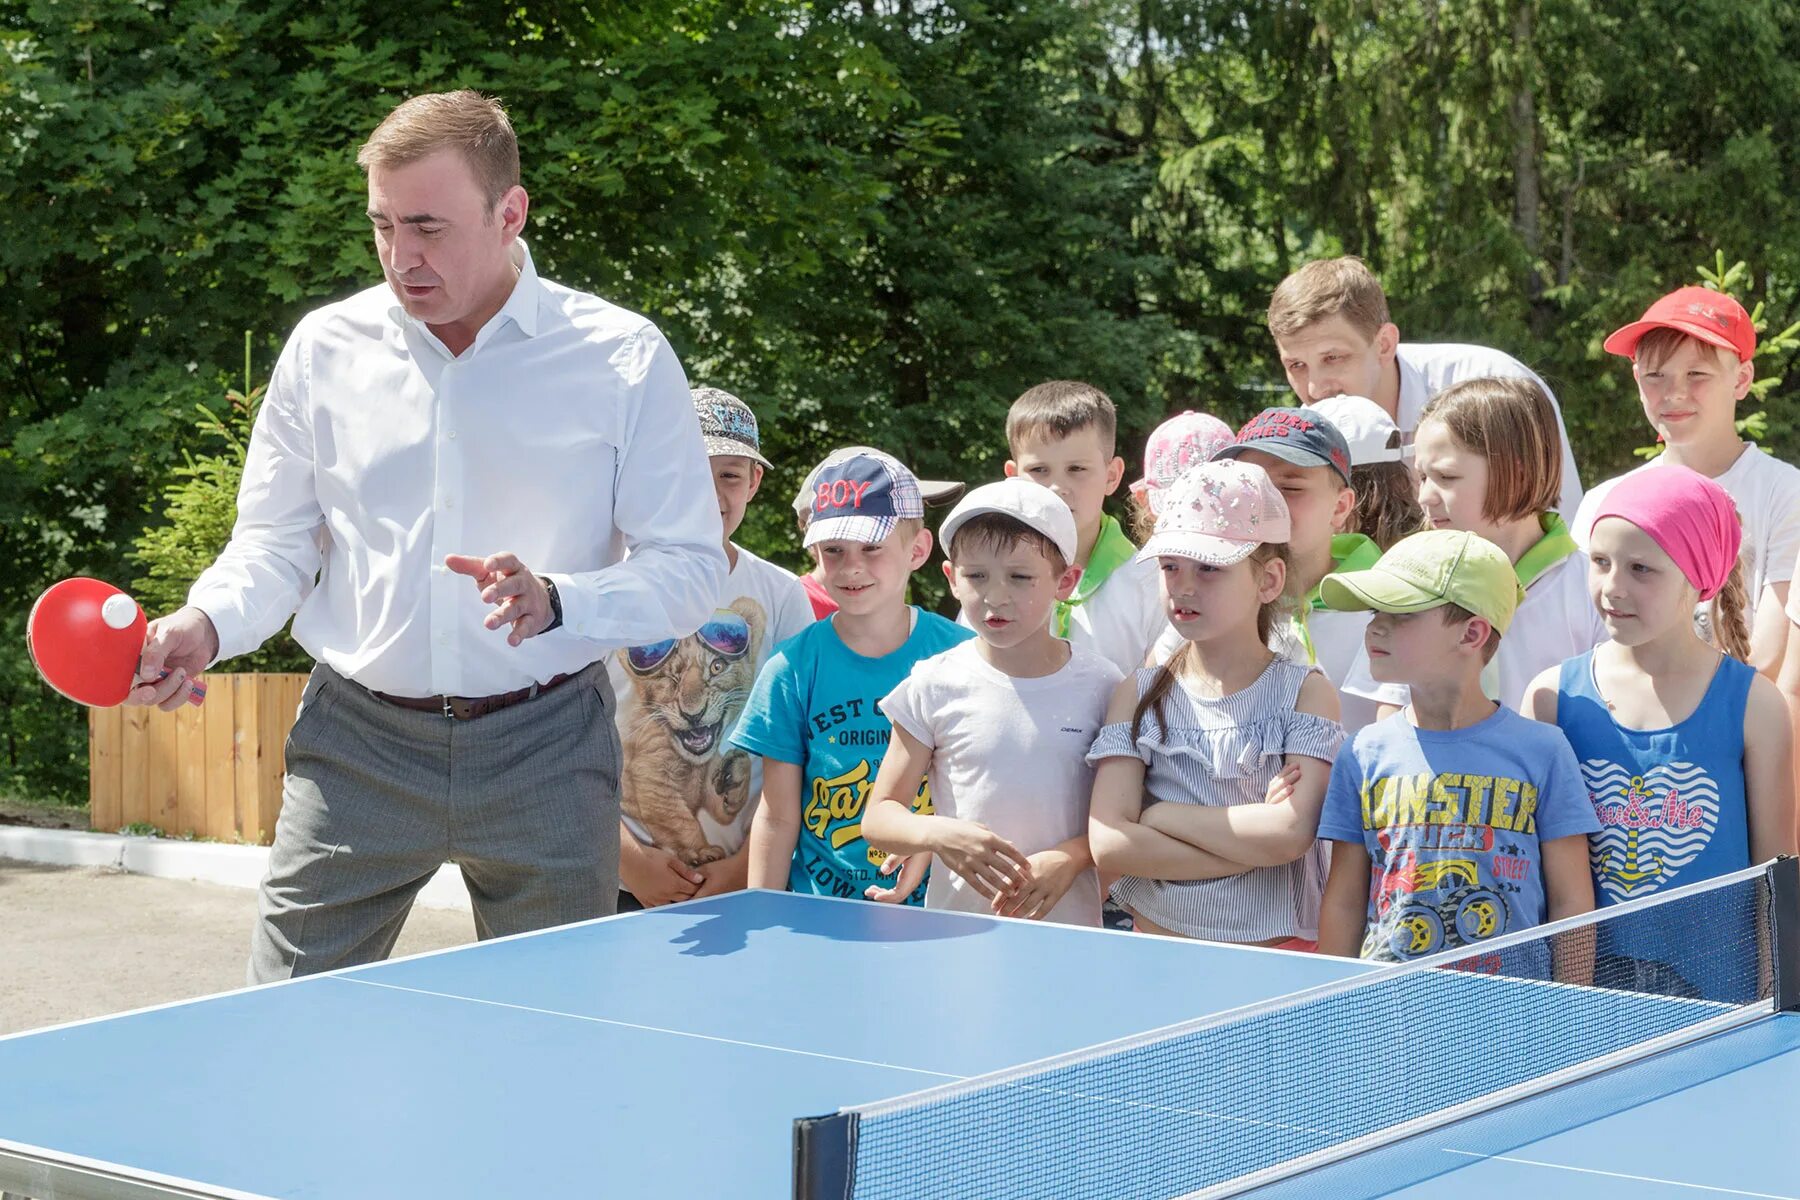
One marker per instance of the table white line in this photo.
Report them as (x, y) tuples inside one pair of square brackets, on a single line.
[(1702, 1187), (686, 1033)]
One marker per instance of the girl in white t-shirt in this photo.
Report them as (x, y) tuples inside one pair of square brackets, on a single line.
[(1489, 460), (1190, 748)]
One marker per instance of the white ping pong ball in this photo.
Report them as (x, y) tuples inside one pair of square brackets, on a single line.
[(119, 611)]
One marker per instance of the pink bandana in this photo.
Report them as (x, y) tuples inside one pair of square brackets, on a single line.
[(1688, 515)]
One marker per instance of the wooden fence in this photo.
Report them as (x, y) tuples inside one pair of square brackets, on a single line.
[(211, 770)]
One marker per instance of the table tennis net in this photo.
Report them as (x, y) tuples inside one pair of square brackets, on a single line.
[(1220, 1105)]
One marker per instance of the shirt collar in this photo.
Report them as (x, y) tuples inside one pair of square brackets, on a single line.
[(521, 305)]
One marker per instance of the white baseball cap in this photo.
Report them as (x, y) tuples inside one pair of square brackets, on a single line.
[(1365, 426), (1031, 504)]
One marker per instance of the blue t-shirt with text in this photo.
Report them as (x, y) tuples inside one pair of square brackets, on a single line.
[(1454, 822), (815, 703)]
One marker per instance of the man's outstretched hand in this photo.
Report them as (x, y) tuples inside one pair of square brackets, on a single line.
[(184, 643), (519, 597)]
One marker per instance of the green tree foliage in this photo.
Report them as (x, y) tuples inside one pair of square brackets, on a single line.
[(198, 512), (876, 220)]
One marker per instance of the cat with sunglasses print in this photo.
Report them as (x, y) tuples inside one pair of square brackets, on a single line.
[(686, 695)]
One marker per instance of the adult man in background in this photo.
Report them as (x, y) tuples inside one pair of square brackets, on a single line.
[(1331, 327)]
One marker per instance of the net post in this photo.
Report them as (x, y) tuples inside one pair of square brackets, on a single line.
[(825, 1157), (1784, 930)]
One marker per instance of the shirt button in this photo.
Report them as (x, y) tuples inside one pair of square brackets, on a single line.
[(453, 435), (449, 503)]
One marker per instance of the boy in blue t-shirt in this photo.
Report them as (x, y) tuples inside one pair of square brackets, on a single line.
[(1456, 819), (813, 714)]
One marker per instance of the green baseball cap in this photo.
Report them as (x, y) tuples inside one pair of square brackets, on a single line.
[(1429, 570)]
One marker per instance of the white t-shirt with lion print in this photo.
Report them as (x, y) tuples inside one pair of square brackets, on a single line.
[(683, 787)]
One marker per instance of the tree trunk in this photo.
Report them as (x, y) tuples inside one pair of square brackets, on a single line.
[(1526, 185), (1565, 266)]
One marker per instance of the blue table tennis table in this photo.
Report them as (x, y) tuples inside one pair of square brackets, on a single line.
[(671, 1052)]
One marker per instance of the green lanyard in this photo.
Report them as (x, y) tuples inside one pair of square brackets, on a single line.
[(1546, 552), (1112, 550), (1556, 545), (1349, 552)]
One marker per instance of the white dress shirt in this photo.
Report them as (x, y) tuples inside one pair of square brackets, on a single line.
[(1428, 368), (564, 434)]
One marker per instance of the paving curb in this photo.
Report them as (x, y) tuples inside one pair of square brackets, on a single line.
[(165, 858)]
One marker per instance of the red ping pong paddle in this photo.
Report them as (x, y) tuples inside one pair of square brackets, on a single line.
[(86, 637)]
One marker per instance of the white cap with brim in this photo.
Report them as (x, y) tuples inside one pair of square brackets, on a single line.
[(1031, 504), (1365, 426)]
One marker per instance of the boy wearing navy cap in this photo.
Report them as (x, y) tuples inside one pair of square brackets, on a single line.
[(813, 715), (1309, 460)]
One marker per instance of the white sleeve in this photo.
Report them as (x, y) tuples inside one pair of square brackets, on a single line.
[(1793, 604), (664, 509), (272, 560), (908, 707), (1783, 542), (790, 612)]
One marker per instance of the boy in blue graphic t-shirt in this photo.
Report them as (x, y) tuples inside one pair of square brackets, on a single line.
[(813, 714), (1456, 819)]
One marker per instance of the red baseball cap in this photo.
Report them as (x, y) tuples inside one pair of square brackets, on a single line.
[(1713, 317)]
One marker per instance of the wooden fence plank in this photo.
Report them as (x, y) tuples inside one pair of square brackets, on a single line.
[(162, 773), (247, 738), (134, 769), (190, 774), (221, 760), (106, 728)]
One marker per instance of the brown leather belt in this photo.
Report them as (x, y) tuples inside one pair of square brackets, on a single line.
[(467, 708)]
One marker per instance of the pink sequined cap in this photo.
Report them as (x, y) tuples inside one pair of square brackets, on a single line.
[(1218, 513), (1183, 441)]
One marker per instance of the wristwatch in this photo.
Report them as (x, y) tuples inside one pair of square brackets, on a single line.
[(555, 607)]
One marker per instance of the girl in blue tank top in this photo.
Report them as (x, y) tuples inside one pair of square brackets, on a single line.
[(1686, 752)]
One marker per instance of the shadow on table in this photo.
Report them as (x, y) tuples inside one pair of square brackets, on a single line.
[(724, 925)]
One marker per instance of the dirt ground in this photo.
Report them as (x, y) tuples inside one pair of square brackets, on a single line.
[(82, 942)]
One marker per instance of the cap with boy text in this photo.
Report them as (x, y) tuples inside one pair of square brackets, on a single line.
[(1219, 513), (1031, 504), (860, 498), (933, 491), (1712, 317), (1429, 570), (727, 425), (1295, 436)]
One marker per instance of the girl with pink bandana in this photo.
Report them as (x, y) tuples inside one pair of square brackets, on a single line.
[(1686, 751)]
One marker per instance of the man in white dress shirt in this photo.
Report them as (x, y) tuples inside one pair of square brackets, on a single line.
[(470, 483)]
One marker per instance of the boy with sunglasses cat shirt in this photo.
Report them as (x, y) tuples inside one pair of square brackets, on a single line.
[(687, 794)]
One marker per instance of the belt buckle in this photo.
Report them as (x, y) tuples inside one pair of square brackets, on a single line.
[(449, 710)]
